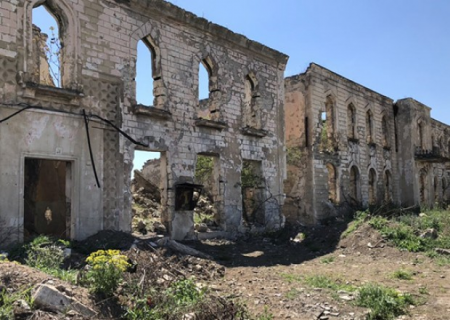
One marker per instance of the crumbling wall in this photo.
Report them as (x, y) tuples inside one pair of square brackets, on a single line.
[(424, 153), (98, 62), (345, 138), (298, 204)]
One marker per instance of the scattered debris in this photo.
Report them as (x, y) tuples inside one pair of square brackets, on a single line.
[(50, 298), (176, 246)]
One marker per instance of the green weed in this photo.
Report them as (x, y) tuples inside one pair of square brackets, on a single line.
[(402, 275), (384, 303), (321, 281), (7, 302), (327, 260), (266, 315), (409, 231)]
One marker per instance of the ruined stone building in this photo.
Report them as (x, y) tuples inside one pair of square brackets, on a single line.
[(349, 147), (67, 138)]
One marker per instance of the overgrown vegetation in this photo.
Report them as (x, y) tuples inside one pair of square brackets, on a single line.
[(7, 301), (410, 231), (293, 156), (325, 282), (249, 175), (183, 299), (47, 255), (402, 274), (384, 303), (416, 233), (204, 169)]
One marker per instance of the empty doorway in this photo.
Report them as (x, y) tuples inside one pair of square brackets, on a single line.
[(47, 197)]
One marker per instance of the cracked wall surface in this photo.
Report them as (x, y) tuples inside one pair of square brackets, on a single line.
[(98, 70), (349, 147)]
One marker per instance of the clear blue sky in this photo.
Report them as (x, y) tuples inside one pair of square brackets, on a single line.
[(399, 48)]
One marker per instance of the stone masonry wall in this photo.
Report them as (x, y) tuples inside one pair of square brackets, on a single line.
[(338, 148), (98, 71)]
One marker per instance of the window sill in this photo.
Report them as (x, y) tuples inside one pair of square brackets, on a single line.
[(249, 131), (151, 112), (219, 125), (35, 89)]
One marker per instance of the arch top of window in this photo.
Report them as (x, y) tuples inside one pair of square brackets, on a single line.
[(67, 22)]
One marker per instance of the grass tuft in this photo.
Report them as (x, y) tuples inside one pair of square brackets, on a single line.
[(384, 303)]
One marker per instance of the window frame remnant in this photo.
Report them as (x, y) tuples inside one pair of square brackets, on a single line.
[(209, 108), (385, 132), (70, 70), (354, 185), (251, 113), (420, 136), (369, 127), (329, 123), (158, 87), (351, 121), (387, 186)]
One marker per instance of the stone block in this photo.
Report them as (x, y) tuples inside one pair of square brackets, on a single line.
[(50, 298)]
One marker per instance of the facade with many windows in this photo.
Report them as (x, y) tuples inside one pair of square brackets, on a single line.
[(349, 147), (71, 120)]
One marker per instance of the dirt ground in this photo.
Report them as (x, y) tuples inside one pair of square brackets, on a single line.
[(258, 271), (266, 272)]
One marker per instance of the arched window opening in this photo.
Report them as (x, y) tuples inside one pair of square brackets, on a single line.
[(354, 184), (387, 187), (47, 48), (369, 127), (351, 122), (329, 119), (372, 187), (385, 132), (203, 81), (420, 135), (332, 183), (441, 144), (209, 94), (251, 112), (144, 73)]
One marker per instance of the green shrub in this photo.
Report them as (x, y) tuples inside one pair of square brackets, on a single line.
[(402, 275), (384, 303), (185, 292), (45, 258), (106, 270)]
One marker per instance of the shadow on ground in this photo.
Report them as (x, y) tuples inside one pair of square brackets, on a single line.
[(276, 248)]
